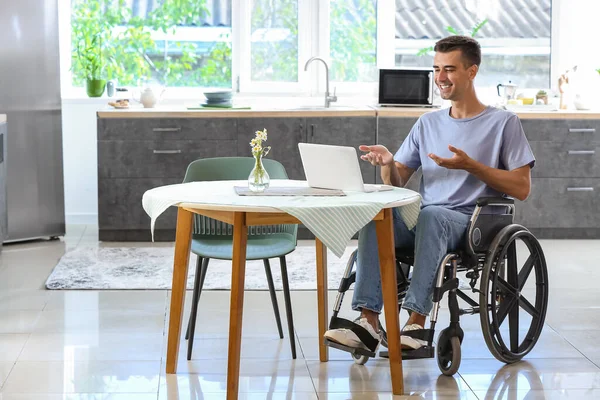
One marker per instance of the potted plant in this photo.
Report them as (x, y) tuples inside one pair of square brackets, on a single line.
[(542, 95), (88, 54)]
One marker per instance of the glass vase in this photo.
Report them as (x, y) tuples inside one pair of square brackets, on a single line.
[(259, 179)]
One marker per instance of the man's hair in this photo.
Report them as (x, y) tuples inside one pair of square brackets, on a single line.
[(469, 47)]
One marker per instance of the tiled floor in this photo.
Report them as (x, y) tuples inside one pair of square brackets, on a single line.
[(111, 344)]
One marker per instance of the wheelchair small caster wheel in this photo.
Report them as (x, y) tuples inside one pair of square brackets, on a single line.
[(360, 359), (448, 353)]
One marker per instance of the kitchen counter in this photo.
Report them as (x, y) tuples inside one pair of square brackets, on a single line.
[(345, 111), (182, 112)]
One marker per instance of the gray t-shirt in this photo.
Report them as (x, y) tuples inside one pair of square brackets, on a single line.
[(494, 137)]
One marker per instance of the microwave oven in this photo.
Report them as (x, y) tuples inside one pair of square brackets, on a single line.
[(406, 87)]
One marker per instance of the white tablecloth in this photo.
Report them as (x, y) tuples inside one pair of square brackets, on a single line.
[(334, 220)]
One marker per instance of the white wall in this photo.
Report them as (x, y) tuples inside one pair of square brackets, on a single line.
[(80, 160)]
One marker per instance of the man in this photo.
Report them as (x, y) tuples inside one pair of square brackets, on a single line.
[(467, 151)]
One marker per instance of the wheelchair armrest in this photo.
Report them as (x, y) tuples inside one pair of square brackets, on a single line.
[(494, 201)]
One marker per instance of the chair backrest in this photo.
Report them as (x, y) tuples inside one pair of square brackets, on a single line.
[(232, 168)]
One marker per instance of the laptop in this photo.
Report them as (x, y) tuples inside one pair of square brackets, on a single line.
[(334, 167)]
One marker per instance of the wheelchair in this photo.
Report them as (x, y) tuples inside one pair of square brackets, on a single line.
[(489, 255)]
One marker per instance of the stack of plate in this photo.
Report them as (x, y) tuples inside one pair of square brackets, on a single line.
[(221, 98)]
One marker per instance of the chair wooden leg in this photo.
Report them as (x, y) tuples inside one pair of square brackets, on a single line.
[(273, 296), (195, 301), (288, 305), (194, 294)]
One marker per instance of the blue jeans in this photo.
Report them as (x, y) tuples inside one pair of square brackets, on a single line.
[(438, 231)]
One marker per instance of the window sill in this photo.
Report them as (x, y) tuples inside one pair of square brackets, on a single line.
[(177, 96)]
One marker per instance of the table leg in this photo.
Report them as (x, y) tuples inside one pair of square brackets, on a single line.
[(240, 239), (322, 297), (387, 265), (180, 271)]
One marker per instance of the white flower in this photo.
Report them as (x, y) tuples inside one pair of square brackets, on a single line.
[(262, 135)]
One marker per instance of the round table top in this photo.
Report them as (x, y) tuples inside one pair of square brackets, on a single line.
[(332, 219), (221, 196)]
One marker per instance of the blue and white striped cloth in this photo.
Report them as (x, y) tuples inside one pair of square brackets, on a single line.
[(334, 220)]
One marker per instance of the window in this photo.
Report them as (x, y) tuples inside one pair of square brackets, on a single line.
[(177, 43), (353, 40), (274, 41), (514, 36), (259, 46)]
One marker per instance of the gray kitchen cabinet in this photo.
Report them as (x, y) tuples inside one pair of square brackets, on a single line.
[(565, 180), (561, 203), (135, 155), (562, 130), (156, 158), (120, 213), (391, 132), (138, 154), (283, 135), (167, 128), (566, 160), (345, 131)]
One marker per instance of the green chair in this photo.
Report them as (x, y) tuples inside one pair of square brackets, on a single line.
[(214, 239)]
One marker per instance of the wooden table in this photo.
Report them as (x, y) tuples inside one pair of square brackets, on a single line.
[(241, 217)]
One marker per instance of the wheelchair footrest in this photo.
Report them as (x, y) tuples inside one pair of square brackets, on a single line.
[(353, 350), (423, 352)]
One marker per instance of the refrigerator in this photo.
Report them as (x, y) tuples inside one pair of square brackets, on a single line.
[(30, 98)]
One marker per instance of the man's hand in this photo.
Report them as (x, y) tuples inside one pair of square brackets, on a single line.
[(460, 159), (377, 155)]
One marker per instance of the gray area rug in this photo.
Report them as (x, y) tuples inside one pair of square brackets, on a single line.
[(152, 268)]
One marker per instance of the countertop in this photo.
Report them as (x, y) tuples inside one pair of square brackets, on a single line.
[(254, 112), (338, 110), (2, 118)]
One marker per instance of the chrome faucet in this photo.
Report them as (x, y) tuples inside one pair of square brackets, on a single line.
[(328, 99)]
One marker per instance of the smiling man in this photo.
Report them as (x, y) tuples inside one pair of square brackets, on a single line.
[(465, 152)]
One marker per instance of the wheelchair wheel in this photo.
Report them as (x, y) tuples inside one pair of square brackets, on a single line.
[(514, 295), (360, 360), (448, 353)]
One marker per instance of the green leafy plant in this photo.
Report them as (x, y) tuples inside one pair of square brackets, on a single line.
[(131, 55), (476, 28), (88, 55)]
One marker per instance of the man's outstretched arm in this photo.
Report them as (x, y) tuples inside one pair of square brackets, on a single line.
[(396, 174), (392, 172), (515, 183)]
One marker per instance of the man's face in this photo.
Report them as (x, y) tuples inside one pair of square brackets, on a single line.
[(451, 76)]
